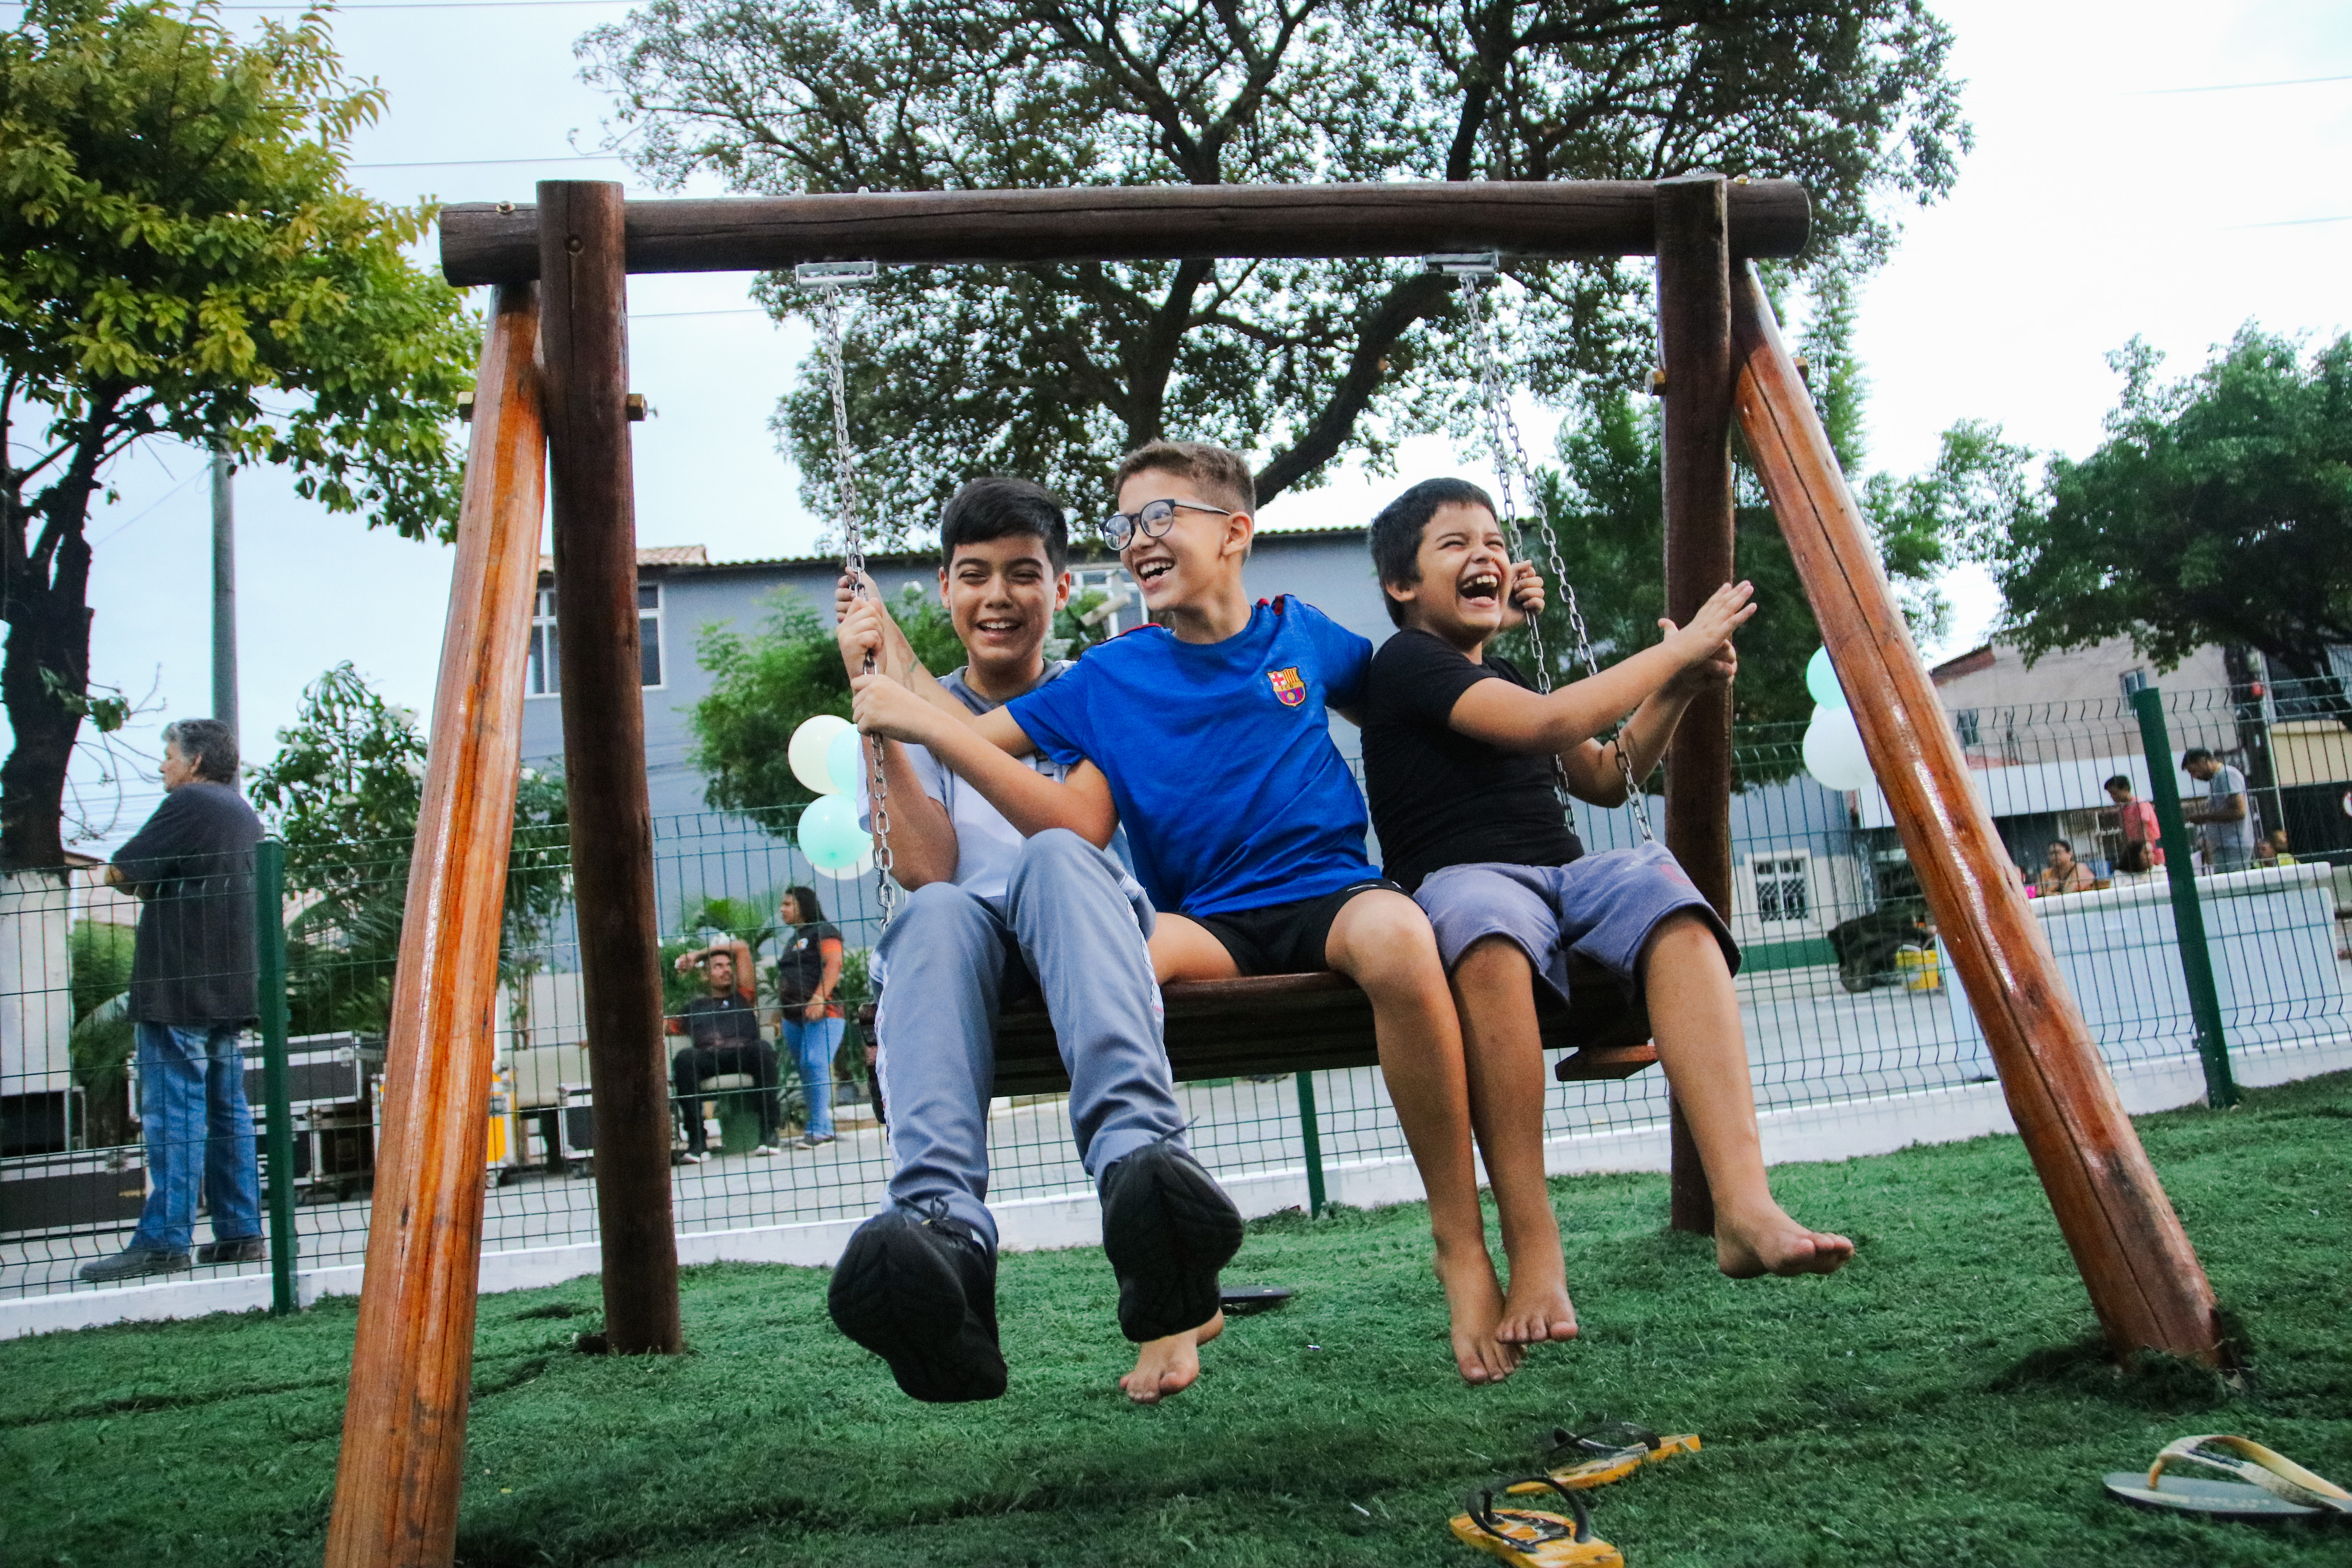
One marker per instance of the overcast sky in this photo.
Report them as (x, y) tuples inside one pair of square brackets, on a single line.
[(2102, 202)]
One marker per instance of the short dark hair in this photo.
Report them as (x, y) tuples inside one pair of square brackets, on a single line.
[(2194, 754), (2121, 781), (208, 744), (997, 506), (2061, 843), (1224, 474), (809, 910), (2135, 857), (1395, 534)]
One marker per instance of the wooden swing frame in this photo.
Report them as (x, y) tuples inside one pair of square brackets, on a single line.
[(553, 402)]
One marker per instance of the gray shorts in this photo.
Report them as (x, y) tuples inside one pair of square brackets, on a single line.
[(1603, 907)]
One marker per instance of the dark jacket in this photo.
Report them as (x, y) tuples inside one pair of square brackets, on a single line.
[(192, 869)]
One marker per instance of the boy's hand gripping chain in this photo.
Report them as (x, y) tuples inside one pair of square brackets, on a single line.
[(1513, 471), (827, 279)]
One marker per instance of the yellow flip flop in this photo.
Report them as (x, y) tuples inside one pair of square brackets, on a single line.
[(1609, 1453), (1529, 1538), (2279, 1488)]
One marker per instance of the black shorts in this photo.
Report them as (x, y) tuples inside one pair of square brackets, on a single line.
[(1286, 938)]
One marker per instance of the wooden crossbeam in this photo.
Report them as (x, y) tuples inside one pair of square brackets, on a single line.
[(499, 242)]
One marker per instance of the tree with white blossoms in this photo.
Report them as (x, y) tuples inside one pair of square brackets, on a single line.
[(344, 792)]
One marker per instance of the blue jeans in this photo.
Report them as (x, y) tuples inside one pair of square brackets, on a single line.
[(197, 1126), (812, 1047)]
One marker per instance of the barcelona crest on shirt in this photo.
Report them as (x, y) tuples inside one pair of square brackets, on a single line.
[(1287, 686)]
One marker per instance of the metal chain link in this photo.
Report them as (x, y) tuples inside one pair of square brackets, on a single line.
[(1512, 469), (853, 566)]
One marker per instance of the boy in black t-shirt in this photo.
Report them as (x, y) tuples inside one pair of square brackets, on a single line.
[(1458, 762)]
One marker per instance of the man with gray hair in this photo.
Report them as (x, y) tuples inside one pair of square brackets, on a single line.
[(192, 993)]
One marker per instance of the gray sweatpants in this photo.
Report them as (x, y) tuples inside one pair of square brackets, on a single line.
[(1071, 926)]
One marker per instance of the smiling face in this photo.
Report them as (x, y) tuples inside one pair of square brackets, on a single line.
[(1464, 564), (1001, 595), (1200, 555)]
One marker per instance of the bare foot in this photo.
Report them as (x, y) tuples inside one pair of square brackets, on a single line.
[(1536, 1311), (1164, 1368), (1770, 1242), (1474, 1300)]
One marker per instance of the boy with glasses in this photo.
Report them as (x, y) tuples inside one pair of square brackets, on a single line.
[(1207, 736), (1004, 903)]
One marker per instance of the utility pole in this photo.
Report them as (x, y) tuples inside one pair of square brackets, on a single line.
[(224, 593)]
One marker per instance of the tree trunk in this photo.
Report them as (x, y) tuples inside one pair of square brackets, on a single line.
[(47, 613)]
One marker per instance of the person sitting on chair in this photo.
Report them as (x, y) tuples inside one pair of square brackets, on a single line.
[(1004, 904), (723, 1029), (2062, 873), (1207, 736), (1459, 761)]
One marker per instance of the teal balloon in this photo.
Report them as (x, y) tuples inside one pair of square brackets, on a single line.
[(1822, 680), (844, 761), (829, 834)]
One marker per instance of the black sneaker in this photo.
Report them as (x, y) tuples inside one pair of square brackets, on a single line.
[(132, 1262), (1168, 1228), (244, 1250), (922, 1294)]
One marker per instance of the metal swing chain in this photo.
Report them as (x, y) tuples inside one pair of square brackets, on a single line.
[(1512, 469), (827, 280)]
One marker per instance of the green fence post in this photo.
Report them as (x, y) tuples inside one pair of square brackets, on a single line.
[(268, 907), (1311, 1135), (2187, 912)]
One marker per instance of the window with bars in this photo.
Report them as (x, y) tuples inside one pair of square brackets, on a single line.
[(543, 677), (1783, 891)]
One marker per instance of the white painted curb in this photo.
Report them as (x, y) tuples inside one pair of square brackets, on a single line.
[(1840, 1129)]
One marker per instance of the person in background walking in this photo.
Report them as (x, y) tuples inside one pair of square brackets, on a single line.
[(2226, 817), (808, 986), (192, 993), (2138, 822)]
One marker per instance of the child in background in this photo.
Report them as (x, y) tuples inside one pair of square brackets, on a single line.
[(1458, 757)]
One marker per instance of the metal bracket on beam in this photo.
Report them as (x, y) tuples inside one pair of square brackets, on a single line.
[(1464, 263), (834, 274)]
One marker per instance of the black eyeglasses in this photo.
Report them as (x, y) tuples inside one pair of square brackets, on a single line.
[(1153, 519)]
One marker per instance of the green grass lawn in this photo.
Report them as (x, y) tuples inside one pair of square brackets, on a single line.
[(1941, 1401)]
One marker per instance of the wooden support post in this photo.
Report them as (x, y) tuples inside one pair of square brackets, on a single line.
[(2144, 1278), (1695, 334), (405, 1422), (585, 351)]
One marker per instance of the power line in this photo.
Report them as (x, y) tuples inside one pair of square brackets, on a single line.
[(2290, 223), (475, 163), (2238, 86)]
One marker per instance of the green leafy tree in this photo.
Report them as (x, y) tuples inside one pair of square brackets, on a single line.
[(765, 684), (1050, 371), (180, 258), (2219, 510), (98, 955), (344, 792)]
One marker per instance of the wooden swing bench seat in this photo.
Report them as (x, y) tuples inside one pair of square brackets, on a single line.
[(1314, 1023)]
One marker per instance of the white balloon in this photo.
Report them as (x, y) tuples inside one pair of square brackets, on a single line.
[(1833, 750), (807, 752)]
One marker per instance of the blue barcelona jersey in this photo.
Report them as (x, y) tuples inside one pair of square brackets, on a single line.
[(1220, 756)]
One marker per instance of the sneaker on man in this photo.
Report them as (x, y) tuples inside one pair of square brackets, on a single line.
[(132, 1262), (816, 1140), (1168, 1228), (710, 1133), (242, 1249), (691, 1156), (767, 1150), (922, 1294)]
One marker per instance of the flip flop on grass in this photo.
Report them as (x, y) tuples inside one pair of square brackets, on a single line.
[(2280, 1488), (1607, 1453), (1530, 1539)]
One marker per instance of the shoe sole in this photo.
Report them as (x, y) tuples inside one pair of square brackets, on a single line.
[(1168, 1229), (899, 1293)]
